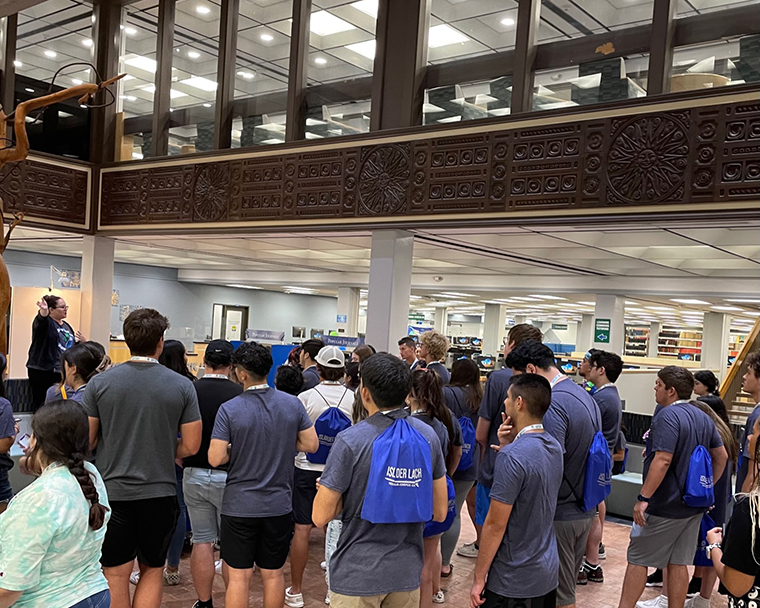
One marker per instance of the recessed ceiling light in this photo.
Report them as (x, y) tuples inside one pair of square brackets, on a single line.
[(130, 31), (246, 75), (202, 10), (727, 308), (444, 35), (142, 63), (320, 61), (28, 90), (51, 54), (541, 297), (198, 82), (243, 286), (76, 81), (365, 49), (588, 303), (173, 93), (206, 105), (659, 308), (689, 301), (743, 300), (87, 42), (323, 23), (193, 54), (507, 21), (267, 37), (17, 64)]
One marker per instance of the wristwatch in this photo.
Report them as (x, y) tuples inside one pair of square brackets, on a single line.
[(642, 498), (709, 548)]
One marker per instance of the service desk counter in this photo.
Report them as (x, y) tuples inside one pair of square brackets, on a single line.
[(119, 353)]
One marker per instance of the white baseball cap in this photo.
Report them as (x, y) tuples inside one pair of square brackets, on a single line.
[(331, 356)]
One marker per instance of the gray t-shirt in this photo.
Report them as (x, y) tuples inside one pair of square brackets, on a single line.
[(442, 432), (741, 472), (573, 419), (310, 378), (456, 399), (527, 476), (141, 407), (373, 559), (677, 429), (611, 409), (440, 369), (490, 409), (262, 425)]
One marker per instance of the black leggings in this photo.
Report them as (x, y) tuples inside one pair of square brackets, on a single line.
[(40, 381), (494, 600)]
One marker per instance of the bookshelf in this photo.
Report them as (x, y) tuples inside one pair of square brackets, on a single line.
[(636, 340), (680, 343)]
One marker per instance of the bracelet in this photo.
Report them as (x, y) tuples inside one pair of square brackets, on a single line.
[(709, 548)]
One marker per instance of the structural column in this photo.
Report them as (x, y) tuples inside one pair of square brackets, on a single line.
[(494, 322), (96, 287), (609, 323), (390, 285), (348, 311), (655, 327), (585, 335), (715, 335), (440, 321)]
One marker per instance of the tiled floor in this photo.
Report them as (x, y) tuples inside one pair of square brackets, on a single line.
[(593, 595)]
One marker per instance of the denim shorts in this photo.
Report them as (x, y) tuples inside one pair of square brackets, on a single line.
[(6, 491), (204, 489), (482, 503), (101, 599)]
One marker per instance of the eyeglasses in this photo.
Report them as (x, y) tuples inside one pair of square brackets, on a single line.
[(61, 308)]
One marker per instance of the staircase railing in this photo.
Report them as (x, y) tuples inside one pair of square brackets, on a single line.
[(737, 402)]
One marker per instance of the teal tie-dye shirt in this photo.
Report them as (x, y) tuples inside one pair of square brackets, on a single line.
[(47, 548)]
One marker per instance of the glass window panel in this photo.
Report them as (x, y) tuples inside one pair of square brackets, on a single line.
[(194, 69), (459, 30), (261, 72), (698, 7), (52, 35), (342, 47), (139, 32), (716, 64)]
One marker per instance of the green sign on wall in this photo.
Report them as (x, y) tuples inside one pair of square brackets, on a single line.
[(602, 331)]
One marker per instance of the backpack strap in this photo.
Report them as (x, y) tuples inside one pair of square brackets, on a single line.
[(316, 390)]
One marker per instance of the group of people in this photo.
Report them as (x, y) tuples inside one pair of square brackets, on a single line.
[(388, 450)]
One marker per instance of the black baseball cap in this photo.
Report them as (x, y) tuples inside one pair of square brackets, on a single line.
[(220, 347)]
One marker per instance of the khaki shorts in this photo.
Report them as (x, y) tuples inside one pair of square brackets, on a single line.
[(664, 541), (397, 599)]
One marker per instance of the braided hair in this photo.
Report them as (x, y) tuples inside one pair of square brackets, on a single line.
[(62, 435)]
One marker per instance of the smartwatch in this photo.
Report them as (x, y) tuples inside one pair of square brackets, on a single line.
[(642, 498)]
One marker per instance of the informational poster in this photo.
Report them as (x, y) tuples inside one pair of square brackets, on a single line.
[(602, 331)]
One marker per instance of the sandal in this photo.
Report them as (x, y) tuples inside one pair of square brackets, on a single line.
[(450, 572)]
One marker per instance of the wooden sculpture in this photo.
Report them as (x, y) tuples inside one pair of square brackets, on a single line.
[(18, 153)]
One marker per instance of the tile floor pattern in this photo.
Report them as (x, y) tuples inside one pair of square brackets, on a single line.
[(593, 595)]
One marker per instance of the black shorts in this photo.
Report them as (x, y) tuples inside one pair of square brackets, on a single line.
[(304, 493), (141, 529), (263, 541), (494, 600)]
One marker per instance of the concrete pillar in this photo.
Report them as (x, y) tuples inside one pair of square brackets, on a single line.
[(585, 335), (348, 309), (715, 336), (612, 309), (494, 322), (96, 287), (655, 327), (440, 322), (390, 285), (519, 319)]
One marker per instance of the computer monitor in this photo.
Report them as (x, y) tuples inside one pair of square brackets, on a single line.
[(299, 332)]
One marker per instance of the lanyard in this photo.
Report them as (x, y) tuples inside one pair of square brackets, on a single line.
[(331, 382), (605, 386), (217, 376), (558, 378), (144, 359), (389, 412), (680, 401), (74, 392), (532, 427), (415, 412), (257, 387)]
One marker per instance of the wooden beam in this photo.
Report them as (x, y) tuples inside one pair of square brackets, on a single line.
[(107, 38), (398, 85), (528, 18), (298, 67), (225, 74), (661, 46), (162, 94), (8, 84)]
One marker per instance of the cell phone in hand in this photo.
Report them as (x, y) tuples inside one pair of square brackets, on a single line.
[(23, 441)]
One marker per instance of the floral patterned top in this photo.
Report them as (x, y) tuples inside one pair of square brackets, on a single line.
[(47, 548)]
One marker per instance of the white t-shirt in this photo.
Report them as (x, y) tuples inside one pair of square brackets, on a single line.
[(316, 401)]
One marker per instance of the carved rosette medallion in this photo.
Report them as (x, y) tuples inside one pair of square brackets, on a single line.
[(384, 180), (211, 191)]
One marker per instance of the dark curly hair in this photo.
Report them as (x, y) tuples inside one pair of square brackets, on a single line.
[(254, 358)]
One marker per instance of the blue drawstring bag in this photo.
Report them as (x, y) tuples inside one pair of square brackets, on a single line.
[(699, 480), (469, 444), (598, 481), (330, 422), (433, 528), (400, 484), (700, 557)]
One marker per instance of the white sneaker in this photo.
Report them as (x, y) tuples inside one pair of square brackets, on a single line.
[(218, 566), (323, 565), (134, 578), (171, 577), (661, 601), (293, 600), (697, 602), (468, 550), (439, 597)]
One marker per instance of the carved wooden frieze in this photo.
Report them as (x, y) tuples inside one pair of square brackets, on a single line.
[(46, 190), (703, 154)]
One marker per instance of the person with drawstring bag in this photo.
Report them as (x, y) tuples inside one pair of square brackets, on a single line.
[(385, 478)]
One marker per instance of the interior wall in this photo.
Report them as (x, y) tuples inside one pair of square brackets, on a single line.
[(189, 306)]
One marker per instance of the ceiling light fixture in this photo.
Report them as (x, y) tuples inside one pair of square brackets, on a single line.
[(246, 75), (28, 90), (17, 64), (87, 42), (743, 300), (142, 63), (368, 7), (193, 54), (323, 23), (51, 54), (444, 35), (267, 37), (365, 49), (727, 308), (235, 285), (689, 301), (76, 81), (320, 61), (507, 21), (206, 105), (131, 31), (198, 82), (541, 297), (202, 10)]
